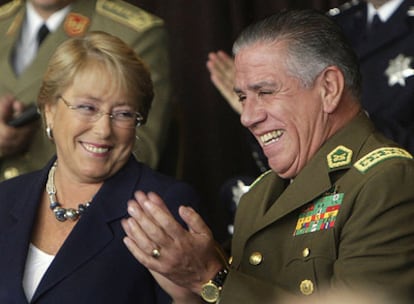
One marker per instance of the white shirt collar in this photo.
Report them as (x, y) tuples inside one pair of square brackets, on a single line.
[(384, 12), (26, 46), (34, 21)]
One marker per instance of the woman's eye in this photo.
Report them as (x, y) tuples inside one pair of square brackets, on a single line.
[(125, 114), (87, 108)]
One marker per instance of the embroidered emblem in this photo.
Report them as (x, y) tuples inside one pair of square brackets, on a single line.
[(410, 11), (76, 24), (379, 155), (339, 157), (399, 69), (320, 215)]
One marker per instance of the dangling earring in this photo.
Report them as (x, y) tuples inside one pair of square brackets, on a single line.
[(49, 133)]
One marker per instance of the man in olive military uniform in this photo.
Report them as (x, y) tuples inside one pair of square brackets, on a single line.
[(27, 148), (336, 210), (386, 55), (385, 47)]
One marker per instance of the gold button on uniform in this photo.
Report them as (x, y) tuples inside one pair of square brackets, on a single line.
[(255, 258), (305, 252), (306, 287), (11, 172)]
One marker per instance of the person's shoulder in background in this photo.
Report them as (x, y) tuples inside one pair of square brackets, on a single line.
[(7, 12), (347, 9), (123, 14)]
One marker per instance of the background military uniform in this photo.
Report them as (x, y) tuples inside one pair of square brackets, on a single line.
[(284, 242), (141, 30), (386, 58)]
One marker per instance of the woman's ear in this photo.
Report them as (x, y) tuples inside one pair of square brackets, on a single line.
[(332, 86), (49, 113)]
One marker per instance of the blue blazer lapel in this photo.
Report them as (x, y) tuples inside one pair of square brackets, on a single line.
[(399, 25), (93, 230), (19, 222)]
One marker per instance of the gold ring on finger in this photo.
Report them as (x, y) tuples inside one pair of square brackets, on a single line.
[(155, 253)]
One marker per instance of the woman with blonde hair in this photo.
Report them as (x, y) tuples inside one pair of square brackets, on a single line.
[(60, 228)]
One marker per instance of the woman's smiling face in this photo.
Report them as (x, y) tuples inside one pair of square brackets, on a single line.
[(91, 151)]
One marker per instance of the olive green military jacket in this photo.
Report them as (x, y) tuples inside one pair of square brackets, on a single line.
[(142, 31), (345, 220)]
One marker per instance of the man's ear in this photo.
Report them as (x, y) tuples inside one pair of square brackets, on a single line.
[(332, 85)]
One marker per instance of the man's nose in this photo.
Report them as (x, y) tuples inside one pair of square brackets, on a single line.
[(252, 112)]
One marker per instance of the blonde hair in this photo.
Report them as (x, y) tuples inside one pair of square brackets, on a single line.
[(76, 55)]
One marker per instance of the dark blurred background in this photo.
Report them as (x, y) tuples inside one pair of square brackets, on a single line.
[(207, 144)]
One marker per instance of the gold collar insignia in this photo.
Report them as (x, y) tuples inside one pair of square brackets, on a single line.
[(339, 157)]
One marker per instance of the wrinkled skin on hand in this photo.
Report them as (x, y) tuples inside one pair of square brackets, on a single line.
[(188, 259)]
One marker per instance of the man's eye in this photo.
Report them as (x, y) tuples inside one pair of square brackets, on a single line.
[(261, 93), (242, 98)]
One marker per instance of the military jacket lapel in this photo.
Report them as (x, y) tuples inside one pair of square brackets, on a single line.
[(276, 197), (12, 29), (253, 206), (298, 193), (270, 199), (33, 74)]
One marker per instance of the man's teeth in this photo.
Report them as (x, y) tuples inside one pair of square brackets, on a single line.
[(271, 136), (95, 149)]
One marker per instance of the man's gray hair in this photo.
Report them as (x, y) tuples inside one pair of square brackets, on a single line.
[(314, 42)]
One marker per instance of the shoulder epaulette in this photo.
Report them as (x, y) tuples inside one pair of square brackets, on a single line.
[(259, 178), (410, 11), (127, 14), (375, 157), (9, 8), (342, 8)]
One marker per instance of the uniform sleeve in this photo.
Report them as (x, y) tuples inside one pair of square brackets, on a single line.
[(152, 47), (376, 245)]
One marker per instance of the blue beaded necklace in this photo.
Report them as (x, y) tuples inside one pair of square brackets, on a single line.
[(61, 214)]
